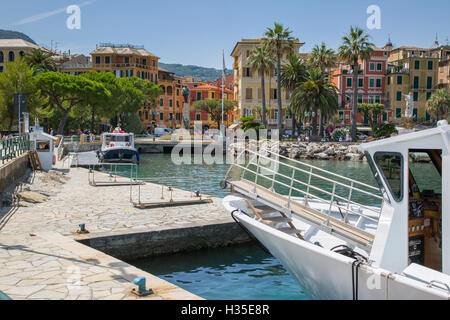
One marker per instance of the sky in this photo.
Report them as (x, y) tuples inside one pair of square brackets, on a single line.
[(196, 32)]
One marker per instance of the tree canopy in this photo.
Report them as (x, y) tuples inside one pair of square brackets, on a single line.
[(18, 78), (214, 108), (64, 91)]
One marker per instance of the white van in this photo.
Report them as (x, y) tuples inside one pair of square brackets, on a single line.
[(162, 132)]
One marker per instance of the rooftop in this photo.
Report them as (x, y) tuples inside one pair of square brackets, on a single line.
[(105, 48), (17, 43)]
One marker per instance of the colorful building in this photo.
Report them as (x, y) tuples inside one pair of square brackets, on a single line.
[(75, 65), (12, 49), (169, 107), (371, 85), (125, 61), (202, 91), (411, 70), (443, 53), (247, 85)]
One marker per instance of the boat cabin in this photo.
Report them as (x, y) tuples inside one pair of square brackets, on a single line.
[(118, 139), (413, 173)]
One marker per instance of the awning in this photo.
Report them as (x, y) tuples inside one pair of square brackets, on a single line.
[(234, 126)]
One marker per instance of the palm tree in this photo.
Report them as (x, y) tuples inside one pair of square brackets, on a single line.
[(293, 73), (355, 46), (439, 104), (315, 95), (261, 61), (40, 60), (279, 39), (323, 57)]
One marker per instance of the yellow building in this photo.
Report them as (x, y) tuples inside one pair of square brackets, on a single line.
[(411, 70), (11, 49), (247, 84)]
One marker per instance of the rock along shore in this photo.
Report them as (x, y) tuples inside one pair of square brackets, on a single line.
[(313, 150)]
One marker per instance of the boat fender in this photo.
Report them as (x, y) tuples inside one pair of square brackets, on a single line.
[(54, 160)]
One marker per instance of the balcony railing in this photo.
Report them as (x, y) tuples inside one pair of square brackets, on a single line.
[(14, 147)]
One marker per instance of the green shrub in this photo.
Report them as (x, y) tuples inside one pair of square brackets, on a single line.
[(339, 133), (384, 130)]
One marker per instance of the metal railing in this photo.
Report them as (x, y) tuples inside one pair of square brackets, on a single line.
[(14, 147), (263, 170)]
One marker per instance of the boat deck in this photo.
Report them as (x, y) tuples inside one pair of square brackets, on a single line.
[(324, 222)]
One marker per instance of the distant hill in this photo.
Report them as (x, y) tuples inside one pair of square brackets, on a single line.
[(8, 34), (208, 74)]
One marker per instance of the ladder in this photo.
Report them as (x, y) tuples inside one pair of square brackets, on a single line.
[(262, 214), (261, 176), (35, 161)]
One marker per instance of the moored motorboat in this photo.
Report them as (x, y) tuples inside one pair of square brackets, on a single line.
[(349, 239), (118, 147)]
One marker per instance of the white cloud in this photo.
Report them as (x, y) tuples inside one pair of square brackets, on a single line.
[(44, 15)]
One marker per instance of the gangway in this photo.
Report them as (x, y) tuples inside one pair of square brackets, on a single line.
[(114, 177), (257, 174), (167, 198)]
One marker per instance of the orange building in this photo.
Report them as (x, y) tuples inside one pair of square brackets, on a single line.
[(168, 111), (200, 91)]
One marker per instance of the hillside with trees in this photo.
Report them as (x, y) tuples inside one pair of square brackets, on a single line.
[(208, 74), (8, 34)]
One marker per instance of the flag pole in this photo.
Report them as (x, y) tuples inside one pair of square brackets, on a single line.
[(223, 89)]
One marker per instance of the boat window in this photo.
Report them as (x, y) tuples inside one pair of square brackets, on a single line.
[(391, 166), (425, 208), (375, 173), (121, 138), (43, 146), (425, 173)]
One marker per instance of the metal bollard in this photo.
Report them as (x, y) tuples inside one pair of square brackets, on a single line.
[(141, 290)]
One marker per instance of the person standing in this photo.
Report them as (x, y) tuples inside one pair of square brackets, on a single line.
[(51, 131)]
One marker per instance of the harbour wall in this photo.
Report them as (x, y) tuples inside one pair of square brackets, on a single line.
[(13, 170), (132, 246)]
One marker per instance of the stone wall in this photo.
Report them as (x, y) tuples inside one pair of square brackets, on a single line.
[(129, 246), (13, 170)]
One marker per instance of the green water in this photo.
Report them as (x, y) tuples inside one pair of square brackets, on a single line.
[(237, 273), (206, 178), (244, 272)]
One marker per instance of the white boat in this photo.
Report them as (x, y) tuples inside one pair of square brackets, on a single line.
[(118, 147), (345, 239)]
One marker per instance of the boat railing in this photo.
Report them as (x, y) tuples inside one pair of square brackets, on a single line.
[(265, 169)]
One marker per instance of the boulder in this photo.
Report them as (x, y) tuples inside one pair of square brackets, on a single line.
[(353, 156), (322, 156), (32, 197)]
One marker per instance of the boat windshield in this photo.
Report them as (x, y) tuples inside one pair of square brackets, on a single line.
[(117, 138)]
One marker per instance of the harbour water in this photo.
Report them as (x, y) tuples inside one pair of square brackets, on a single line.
[(243, 272), (247, 271)]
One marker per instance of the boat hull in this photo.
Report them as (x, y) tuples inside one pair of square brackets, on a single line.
[(327, 275), (119, 155)]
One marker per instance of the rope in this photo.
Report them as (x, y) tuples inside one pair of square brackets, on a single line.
[(355, 275)]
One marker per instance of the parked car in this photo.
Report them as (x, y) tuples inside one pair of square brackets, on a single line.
[(159, 132)]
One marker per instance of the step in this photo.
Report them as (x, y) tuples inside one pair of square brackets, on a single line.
[(277, 219), (289, 230)]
